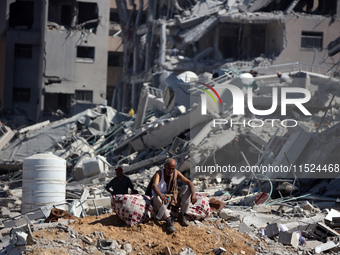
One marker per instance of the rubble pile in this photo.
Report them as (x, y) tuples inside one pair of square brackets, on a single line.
[(253, 211), (228, 152)]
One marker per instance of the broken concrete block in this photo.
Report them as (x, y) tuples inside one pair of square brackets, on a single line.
[(6, 134), (262, 208), (94, 166), (178, 146), (332, 213), (5, 212), (127, 247), (108, 244), (20, 238), (307, 206), (325, 247), (187, 251), (142, 104), (289, 238), (78, 168), (23, 235), (321, 231), (293, 147), (334, 223), (228, 214), (179, 110), (243, 228), (272, 230), (137, 144), (34, 127), (202, 134)]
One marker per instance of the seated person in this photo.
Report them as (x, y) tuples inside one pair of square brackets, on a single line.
[(164, 184), (120, 184)]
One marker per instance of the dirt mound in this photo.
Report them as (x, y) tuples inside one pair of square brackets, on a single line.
[(151, 237)]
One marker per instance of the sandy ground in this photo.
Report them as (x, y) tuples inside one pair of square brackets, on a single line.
[(150, 237)]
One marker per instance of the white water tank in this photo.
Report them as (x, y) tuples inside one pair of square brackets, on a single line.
[(43, 181)]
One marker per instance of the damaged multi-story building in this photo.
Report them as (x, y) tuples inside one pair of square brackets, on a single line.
[(72, 54), (56, 55), (202, 36)]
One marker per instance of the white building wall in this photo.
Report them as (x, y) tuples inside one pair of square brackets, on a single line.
[(294, 27)]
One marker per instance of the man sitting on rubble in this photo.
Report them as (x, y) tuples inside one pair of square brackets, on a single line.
[(120, 184), (164, 184)]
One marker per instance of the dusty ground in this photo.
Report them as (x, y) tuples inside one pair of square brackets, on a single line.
[(147, 238)]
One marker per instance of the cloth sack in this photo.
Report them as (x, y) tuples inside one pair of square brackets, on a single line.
[(132, 209), (135, 209)]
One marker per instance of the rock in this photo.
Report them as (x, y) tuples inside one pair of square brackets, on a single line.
[(243, 228), (228, 214), (220, 226), (5, 211), (107, 245), (279, 252), (119, 252), (198, 223), (187, 251), (127, 247)]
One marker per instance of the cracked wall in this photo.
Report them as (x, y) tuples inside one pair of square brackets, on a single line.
[(76, 53)]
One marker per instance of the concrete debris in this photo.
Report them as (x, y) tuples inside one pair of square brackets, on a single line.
[(272, 230), (187, 251), (107, 244), (289, 238), (321, 232), (268, 169), (325, 247), (229, 215)]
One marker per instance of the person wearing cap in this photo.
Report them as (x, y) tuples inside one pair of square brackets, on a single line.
[(120, 184), (163, 185)]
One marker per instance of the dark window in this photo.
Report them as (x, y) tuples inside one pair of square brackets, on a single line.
[(114, 59), (84, 95), (88, 12), (21, 94), (66, 15), (84, 52), (23, 51), (311, 40), (114, 17), (21, 14)]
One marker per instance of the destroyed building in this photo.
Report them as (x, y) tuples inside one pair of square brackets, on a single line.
[(187, 84), (202, 36), (56, 55)]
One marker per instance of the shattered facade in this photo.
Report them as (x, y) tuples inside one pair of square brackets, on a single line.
[(56, 55), (256, 136), (203, 36)]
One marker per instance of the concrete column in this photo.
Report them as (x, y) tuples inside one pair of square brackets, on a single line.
[(162, 52), (133, 95), (43, 21), (149, 35), (142, 104)]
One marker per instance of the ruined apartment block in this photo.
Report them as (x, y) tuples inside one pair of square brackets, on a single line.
[(203, 36), (56, 55)]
